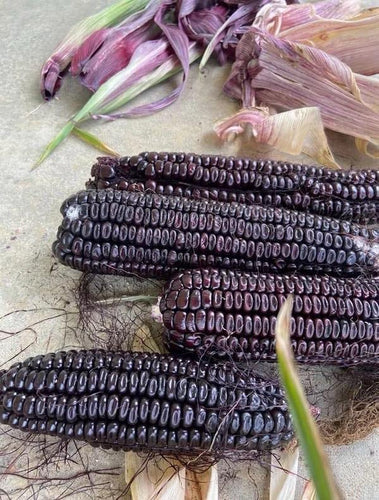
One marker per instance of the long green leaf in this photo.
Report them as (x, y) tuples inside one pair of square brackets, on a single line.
[(64, 132), (304, 423), (94, 141)]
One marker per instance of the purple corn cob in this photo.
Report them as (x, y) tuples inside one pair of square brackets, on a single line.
[(233, 314), (120, 232), (350, 195), (147, 402)]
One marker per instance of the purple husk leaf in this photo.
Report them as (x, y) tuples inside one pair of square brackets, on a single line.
[(153, 107), (51, 78), (147, 57), (335, 9), (235, 24), (87, 49), (178, 41), (201, 26), (147, 109), (290, 75), (259, 3), (178, 38), (97, 62), (113, 56)]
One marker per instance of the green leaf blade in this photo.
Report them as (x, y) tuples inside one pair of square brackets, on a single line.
[(304, 423), (62, 134), (94, 141)]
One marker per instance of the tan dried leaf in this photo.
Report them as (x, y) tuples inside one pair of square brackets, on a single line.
[(154, 479), (161, 479), (202, 485), (283, 474), (309, 492), (293, 132), (144, 341)]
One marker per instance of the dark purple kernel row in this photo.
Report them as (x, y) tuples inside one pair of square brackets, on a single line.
[(263, 349), (352, 195), (114, 228), (248, 302), (210, 306), (116, 436)]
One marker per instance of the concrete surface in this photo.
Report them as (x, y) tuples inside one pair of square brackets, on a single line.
[(40, 290)]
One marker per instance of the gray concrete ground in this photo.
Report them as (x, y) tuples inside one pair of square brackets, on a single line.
[(40, 290)]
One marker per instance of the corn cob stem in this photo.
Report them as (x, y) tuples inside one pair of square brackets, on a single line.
[(144, 401), (350, 195), (119, 232), (229, 313)]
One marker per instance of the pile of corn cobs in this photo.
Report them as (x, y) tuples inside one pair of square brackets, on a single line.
[(232, 237)]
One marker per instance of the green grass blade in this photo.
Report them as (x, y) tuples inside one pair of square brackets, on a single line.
[(304, 423), (64, 132), (94, 141)]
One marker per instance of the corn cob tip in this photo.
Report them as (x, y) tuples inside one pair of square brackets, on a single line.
[(231, 313)]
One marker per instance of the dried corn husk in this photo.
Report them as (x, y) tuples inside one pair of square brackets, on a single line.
[(151, 64), (294, 131), (167, 480), (291, 75), (283, 474), (342, 32), (278, 17), (309, 492)]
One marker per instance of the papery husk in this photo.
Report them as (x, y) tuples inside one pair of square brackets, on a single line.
[(369, 148), (354, 41), (289, 75), (202, 485), (154, 479), (293, 132), (109, 50), (277, 17), (162, 479), (123, 87), (309, 492), (244, 15), (283, 474), (112, 56), (143, 341), (53, 69)]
